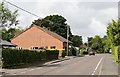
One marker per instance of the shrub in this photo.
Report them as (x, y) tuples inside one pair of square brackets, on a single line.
[(115, 53), (63, 53), (84, 52), (52, 54)]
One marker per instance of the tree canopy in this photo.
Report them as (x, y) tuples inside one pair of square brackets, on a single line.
[(113, 32), (77, 40), (98, 44), (7, 17), (90, 41), (106, 43), (10, 33), (55, 23)]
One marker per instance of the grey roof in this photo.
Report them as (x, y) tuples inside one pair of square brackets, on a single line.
[(6, 43)]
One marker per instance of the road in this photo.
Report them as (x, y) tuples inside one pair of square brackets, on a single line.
[(100, 64)]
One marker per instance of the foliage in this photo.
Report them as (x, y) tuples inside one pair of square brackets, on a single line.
[(106, 44), (7, 17), (97, 44), (13, 57), (77, 40), (55, 23), (42, 23), (73, 49), (113, 32), (115, 52), (84, 51), (90, 41), (85, 44), (63, 53), (100, 45), (51, 54), (10, 33)]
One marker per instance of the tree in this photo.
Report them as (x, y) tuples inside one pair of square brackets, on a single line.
[(106, 44), (55, 23), (77, 40), (90, 41), (85, 44), (10, 33), (97, 44), (113, 32), (43, 23), (7, 17)]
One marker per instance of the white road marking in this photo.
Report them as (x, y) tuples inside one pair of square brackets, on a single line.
[(97, 66), (101, 69)]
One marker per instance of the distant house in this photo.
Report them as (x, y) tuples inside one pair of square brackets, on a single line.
[(6, 44), (36, 37)]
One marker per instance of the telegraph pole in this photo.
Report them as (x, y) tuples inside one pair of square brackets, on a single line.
[(67, 40)]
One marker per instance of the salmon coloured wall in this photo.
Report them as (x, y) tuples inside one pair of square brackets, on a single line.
[(35, 37)]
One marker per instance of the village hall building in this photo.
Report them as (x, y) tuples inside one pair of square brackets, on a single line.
[(36, 37)]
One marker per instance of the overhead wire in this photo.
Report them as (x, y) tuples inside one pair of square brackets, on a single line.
[(21, 8)]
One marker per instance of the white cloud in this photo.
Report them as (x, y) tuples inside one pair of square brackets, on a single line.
[(110, 13), (97, 27)]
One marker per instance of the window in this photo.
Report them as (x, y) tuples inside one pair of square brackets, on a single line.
[(19, 47), (41, 48), (34, 48), (53, 47)]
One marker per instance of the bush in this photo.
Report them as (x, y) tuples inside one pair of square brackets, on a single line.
[(52, 54), (63, 53), (13, 57), (73, 49), (84, 52), (115, 53)]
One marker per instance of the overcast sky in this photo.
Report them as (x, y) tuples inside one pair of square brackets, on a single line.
[(85, 17)]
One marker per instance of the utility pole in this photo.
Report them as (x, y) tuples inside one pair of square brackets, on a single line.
[(67, 40)]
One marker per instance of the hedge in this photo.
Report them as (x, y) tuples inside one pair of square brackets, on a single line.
[(13, 57), (116, 52), (52, 54)]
